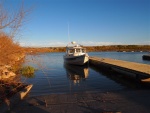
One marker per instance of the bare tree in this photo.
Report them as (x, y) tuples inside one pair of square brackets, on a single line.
[(12, 21)]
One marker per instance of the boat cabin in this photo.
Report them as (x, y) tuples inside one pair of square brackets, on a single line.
[(75, 51)]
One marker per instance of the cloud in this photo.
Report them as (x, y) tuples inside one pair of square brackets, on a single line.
[(92, 43), (85, 43), (144, 43), (43, 44)]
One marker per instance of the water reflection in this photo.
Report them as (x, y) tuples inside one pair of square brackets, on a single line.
[(76, 73), (123, 80), (30, 75)]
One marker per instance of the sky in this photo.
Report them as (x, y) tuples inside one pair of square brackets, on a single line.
[(55, 23)]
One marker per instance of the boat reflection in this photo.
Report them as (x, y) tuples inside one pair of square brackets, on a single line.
[(76, 73)]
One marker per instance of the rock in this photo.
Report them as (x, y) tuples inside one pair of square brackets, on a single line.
[(5, 73), (12, 74)]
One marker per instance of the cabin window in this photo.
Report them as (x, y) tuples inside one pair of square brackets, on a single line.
[(83, 50), (71, 51), (77, 50)]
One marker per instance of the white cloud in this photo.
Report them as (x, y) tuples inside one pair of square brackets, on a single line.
[(85, 43), (144, 43), (92, 43), (43, 44)]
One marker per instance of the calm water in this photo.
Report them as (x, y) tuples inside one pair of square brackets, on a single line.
[(53, 76)]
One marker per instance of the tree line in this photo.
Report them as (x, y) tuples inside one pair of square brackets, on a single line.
[(118, 48)]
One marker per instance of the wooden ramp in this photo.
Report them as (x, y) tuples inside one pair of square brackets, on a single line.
[(135, 69)]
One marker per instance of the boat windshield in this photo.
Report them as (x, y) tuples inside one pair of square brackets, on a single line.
[(77, 50), (71, 51), (80, 50)]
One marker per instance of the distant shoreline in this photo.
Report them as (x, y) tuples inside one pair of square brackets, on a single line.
[(117, 48)]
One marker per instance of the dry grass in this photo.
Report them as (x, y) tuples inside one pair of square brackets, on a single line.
[(9, 50)]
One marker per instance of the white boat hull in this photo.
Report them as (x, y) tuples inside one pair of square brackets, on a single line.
[(76, 60)]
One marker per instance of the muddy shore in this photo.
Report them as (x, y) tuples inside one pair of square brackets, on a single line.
[(122, 101)]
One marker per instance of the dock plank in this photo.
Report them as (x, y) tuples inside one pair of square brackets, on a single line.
[(137, 67)]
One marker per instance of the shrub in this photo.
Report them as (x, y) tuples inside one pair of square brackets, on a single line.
[(10, 51), (27, 71)]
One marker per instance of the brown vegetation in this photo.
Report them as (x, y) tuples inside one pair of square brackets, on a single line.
[(32, 50), (118, 48), (9, 50), (10, 22)]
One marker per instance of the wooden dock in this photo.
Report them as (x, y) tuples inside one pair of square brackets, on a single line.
[(136, 70)]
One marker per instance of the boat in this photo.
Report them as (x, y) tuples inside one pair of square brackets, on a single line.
[(75, 54), (146, 57)]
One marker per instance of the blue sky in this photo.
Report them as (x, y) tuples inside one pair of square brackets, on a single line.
[(91, 22)]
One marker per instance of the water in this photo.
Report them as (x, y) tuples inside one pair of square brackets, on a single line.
[(53, 76), (127, 56)]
